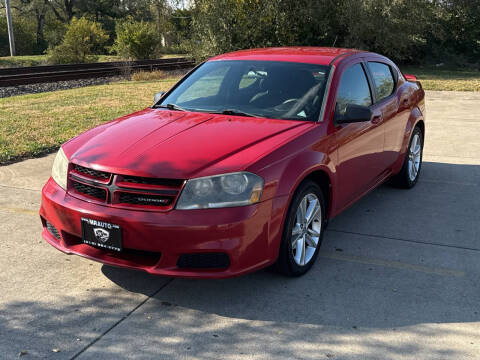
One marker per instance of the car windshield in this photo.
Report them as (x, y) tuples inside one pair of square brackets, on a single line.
[(270, 89)]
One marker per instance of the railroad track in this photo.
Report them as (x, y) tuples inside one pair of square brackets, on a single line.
[(53, 73)]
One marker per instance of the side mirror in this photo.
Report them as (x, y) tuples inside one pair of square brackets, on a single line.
[(158, 96), (354, 113)]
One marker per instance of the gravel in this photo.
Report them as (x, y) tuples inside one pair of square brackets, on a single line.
[(54, 86)]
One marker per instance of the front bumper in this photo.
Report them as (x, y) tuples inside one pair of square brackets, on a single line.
[(154, 241)]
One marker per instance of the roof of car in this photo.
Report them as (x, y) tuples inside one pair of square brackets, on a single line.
[(313, 55)]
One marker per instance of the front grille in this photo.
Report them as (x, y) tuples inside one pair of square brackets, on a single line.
[(91, 173), (53, 230), (145, 199), (91, 191), (151, 194), (204, 261), (175, 183)]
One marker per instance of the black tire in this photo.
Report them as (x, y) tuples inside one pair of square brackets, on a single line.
[(286, 263), (403, 179)]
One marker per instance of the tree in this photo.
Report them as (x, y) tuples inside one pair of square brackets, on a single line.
[(460, 21), (25, 42), (37, 10), (405, 30), (63, 9)]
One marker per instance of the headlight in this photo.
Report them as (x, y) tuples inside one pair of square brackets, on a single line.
[(228, 190), (60, 169)]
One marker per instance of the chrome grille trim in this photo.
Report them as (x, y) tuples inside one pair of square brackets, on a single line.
[(91, 173), (124, 191)]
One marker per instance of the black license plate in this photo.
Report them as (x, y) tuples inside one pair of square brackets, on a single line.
[(101, 234)]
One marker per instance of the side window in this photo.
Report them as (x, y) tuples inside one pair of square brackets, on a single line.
[(383, 79), (353, 89)]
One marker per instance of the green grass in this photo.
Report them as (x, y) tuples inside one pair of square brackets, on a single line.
[(433, 78), (36, 124), (34, 60), (21, 61)]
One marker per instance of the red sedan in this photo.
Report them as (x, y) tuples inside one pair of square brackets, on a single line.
[(239, 166)]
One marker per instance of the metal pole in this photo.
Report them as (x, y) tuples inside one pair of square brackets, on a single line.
[(10, 28)]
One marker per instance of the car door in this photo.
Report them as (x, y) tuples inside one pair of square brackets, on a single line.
[(360, 161), (395, 113)]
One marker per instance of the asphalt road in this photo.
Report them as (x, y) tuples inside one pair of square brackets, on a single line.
[(398, 277)]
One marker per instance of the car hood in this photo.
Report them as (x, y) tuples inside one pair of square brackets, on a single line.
[(175, 144)]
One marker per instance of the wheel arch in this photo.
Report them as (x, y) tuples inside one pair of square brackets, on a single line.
[(416, 119), (421, 124), (322, 179)]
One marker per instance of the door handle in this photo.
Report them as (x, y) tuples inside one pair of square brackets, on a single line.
[(377, 119)]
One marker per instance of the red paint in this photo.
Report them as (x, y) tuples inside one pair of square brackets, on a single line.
[(170, 144), (310, 55), (410, 77)]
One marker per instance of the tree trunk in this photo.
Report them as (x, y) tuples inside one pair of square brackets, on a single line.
[(69, 9), (40, 25)]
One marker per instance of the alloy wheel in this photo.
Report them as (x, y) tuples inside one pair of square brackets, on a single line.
[(414, 157), (307, 229)]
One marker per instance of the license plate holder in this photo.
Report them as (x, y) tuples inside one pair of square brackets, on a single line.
[(101, 234)]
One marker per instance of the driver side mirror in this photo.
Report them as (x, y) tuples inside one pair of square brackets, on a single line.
[(158, 96), (353, 113)]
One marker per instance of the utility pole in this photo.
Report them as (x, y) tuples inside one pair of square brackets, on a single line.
[(10, 28)]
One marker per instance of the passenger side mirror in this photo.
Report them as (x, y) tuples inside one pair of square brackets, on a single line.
[(353, 113), (158, 96)]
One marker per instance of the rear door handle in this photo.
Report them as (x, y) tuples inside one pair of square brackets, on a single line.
[(377, 119)]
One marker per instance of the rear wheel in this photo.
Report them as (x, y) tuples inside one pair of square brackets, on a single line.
[(303, 230), (408, 176)]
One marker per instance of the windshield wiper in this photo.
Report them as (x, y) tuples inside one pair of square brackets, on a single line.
[(234, 113), (171, 107)]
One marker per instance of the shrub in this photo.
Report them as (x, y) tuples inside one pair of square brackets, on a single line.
[(81, 42), (136, 40)]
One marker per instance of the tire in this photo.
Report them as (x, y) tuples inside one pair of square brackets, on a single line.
[(412, 165), (292, 260)]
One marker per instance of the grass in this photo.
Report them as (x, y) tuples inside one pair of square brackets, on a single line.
[(34, 60), (433, 78), (21, 61), (36, 124)]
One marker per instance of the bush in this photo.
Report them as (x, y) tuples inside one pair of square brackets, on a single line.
[(24, 31), (136, 40), (81, 42)]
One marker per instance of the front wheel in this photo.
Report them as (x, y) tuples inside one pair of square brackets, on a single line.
[(408, 176), (303, 230)]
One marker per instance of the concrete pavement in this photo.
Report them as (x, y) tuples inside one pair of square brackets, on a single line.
[(397, 278)]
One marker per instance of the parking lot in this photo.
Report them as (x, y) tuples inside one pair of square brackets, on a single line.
[(398, 277)]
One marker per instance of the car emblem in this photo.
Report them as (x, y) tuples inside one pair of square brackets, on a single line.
[(101, 234)]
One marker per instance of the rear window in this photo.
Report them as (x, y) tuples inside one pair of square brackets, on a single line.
[(383, 79)]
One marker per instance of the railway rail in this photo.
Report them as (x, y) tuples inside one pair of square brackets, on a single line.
[(53, 73)]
